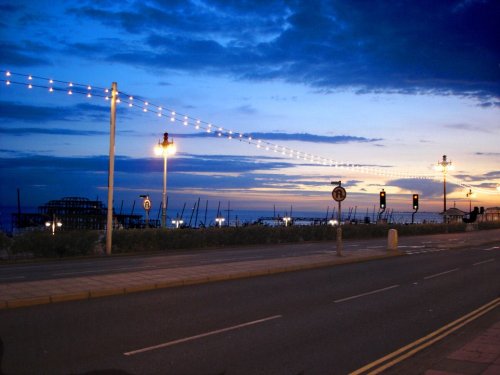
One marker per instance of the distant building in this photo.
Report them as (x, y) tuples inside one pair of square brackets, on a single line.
[(453, 215), (74, 213), (491, 214)]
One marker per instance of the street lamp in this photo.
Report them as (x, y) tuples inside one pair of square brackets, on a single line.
[(470, 195), (287, 219), (219, 220), (53, 224), (333, 222), (164, 149), (444, 166), (177, 222)]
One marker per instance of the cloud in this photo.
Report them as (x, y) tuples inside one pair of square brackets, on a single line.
[(50, 131), (404, 47), (492, 174), (182, 163), (17, 55), (427, 188), (468, 127), (54, 176), (17, 112), (302, 137), (247, 109), (496, 154)]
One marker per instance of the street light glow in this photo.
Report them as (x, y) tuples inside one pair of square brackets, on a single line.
[(53, 224), (177, 222), (219, 221)]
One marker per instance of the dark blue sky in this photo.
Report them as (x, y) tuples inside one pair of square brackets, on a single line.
[(387, 86)]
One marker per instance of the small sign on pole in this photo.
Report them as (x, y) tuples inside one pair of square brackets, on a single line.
[(147, 204), (339, 194)]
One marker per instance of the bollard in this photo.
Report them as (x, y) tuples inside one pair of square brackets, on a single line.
[(339, 241), (392, 240)]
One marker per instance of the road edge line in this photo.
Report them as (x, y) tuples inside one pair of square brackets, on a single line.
[(422, 343)]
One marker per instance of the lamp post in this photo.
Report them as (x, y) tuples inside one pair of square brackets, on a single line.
[(177, 222), (444, 166), (53, 224), (333, 222), (470, 195), (164, 149), (287, 219), (219, 220)]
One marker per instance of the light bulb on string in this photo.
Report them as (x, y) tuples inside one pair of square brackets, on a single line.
[(197, 124)]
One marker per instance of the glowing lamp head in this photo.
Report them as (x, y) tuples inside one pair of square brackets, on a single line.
[(171, 149), (158, 149)]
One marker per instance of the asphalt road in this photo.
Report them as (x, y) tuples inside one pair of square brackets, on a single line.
[(324, 321), (106, 265)]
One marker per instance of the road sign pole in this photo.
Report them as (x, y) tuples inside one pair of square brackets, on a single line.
[(339, 194), (339, 232)]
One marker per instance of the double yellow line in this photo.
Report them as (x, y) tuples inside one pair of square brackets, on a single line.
[(409, 350)]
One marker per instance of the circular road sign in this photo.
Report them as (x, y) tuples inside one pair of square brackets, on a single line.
[(147, 204), (339, 194)]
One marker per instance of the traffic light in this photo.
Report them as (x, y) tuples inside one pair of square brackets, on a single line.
[(415, 202), (382, 200)]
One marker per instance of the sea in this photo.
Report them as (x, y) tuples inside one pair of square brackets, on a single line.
[(236, 217)]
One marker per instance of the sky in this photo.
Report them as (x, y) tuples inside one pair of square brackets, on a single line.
[(370, 93)]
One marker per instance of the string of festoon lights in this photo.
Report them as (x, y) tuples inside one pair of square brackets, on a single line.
[(172, 116)]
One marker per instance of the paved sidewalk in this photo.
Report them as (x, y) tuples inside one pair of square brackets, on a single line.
[(28, 293), (480, 356)]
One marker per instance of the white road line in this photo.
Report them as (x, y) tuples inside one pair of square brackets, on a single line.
[(12, 278), (366, 294), (175, 342), (492, 248), (483, 262), (103, 270), (440, 274)]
